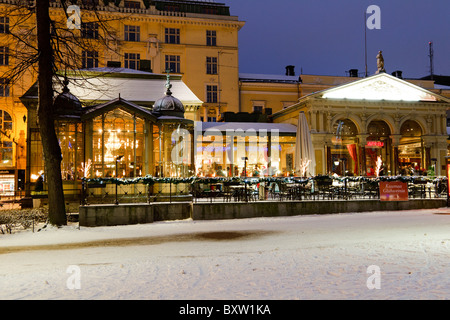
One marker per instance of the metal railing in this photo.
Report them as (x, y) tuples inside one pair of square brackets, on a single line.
[(242, 189)]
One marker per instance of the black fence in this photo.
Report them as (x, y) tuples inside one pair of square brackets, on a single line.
[(149, 189)]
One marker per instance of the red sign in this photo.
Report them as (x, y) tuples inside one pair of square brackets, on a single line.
[(448, 181), (393, 191), (376, 144)]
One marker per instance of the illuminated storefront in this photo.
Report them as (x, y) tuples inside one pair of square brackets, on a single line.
[(244, 149)]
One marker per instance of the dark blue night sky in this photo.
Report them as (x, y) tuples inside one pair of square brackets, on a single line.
[(326, 37)]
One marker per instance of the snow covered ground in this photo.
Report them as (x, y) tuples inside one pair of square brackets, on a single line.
[(303, 257)]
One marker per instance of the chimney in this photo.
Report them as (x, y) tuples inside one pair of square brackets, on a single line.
[(398, 74), (290, 71), (113, 64), (353, 73)]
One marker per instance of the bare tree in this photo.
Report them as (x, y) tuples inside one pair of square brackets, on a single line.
[(45, 48)]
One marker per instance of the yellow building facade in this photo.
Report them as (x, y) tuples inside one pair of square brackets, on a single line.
[(269, 93), (195, 40)]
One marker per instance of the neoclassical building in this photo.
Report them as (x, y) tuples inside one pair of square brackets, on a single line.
[(379, 118)]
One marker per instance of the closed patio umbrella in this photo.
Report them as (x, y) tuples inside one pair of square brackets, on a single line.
[(304, 150)]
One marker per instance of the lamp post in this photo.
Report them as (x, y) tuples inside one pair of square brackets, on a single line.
[(434, 160), (117, 171), (447, 171), (245, 177)]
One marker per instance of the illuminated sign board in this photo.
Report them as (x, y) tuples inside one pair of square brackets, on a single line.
[(375, 144), (393, 191), (448, 181)]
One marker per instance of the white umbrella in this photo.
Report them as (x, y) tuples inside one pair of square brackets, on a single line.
[(305, 161)]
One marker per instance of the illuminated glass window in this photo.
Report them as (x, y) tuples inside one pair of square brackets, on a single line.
[(118, 134), (70, 137), (6, 143)]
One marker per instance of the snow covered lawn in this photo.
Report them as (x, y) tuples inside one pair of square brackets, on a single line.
[(303, 257)]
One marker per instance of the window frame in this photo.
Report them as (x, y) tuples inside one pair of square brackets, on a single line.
[(172, 35), (132, 33), (89, 30), (212, 93), (89, 57), (4, 25), (132, 58), (4, 87), (211, 38), (211, 65), (4, 56), (173, 60)]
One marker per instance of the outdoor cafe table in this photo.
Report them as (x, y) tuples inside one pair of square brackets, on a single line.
[(295, 190), (238, 191)]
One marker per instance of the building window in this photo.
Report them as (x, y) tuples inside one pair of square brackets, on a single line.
[(212, 115), (211, 65), (257, 109), (118, 133), (4, 87), (211, 38), (6, 144), (132, 61), (4, 25), (173, 63), (211, 93), (89, 30), (4, 56), (133, 33), (70, 137), (132, 4), (90, 4), (172, 35), (90, 59)]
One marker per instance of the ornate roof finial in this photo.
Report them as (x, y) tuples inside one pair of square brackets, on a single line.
[(168, 84), (66, 83)]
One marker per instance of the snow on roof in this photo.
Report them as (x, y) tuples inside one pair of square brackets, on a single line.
[(116, 70), (267, 77), (131, 85)]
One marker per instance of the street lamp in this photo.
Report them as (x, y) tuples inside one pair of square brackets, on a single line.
[(447, 171), (117, 171), (434, 160), (245, 177)]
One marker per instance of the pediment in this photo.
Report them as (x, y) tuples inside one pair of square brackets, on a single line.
[(380, 87)]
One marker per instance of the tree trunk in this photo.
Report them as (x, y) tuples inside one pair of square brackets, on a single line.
[(50, 145)]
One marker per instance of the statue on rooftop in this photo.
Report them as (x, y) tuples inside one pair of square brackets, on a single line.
[(380, 63)]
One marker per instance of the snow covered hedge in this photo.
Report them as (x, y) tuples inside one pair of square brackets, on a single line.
[(23, 218)]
